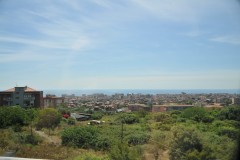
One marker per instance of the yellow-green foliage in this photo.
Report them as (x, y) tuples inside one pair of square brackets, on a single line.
[(91, 156), (206, 134)]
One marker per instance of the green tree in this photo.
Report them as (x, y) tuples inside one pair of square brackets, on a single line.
[(230, 113), (12, 116), (198, 114), (163, 118), (188, 144), (121, 151), (48, 118), (128, 118)]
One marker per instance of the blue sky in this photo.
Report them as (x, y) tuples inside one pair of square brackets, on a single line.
[(120, 44)]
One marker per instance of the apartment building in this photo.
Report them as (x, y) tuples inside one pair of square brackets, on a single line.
[(52, 101), (22, 96)]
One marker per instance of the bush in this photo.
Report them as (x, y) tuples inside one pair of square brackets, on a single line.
[(102, 143), (163, 118), (188, 144), (17, 128), (24, 138), (10, 116), (181, 119), (5, 138), (85, 137), (71, 121), (90, 156), (208, 119), (229, 131), (163, 127), (128, 118), (197, 114), (48, 118), (122, 151), (31, 139), (138, 138), (97, 115), (230, 113), (142, 113), (175, 112)]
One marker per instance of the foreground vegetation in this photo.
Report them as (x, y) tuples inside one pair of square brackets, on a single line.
[(193, 134)]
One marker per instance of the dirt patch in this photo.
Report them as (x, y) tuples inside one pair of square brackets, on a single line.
[(49, 139)]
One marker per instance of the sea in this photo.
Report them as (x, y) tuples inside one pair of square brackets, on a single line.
[(76, 92)]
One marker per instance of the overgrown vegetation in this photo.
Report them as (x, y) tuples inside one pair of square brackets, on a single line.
[(48, 118), (194, 133)]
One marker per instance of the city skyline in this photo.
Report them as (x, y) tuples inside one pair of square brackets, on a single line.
[(126, 44)]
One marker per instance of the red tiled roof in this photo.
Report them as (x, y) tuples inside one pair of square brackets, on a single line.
[(10, 90), (26, 89)]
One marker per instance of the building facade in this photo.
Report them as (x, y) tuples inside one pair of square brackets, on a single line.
[(25, 97), (236, 101), (52, 101), (163, 108)]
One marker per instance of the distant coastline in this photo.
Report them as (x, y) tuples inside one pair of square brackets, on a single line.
[(59, 92)]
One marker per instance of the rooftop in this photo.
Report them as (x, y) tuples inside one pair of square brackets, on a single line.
[(26, 89)]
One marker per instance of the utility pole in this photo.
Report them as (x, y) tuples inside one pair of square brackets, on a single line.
[(122, 132)]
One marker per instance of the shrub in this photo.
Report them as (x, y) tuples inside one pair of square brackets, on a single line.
[(230, 113), (97, 115), (48, 118), (229, 131), (90, 156), (197, 114), (85, 137), (142, 113), (138, 138), (208, 119), (128, 118), (163, 127), (122, 151), (10, 116), (181, 119), (163, 118), (24, 138), (71, 121), (175, 112), (188, 144), (102, 143)]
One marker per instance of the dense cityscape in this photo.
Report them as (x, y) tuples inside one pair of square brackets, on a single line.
[(119, 80), (28, 97), (118, 126)]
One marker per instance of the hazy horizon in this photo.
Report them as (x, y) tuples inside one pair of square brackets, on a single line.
[(79, 92), (120, 44)]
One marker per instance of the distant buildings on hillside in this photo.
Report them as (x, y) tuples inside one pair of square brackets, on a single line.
[(27, 97), (52, 101)]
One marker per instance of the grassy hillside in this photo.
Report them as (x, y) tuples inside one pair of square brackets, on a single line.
[(195, 133)]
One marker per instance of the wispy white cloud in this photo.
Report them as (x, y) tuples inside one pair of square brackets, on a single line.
[(48, 37), (35, 42), (18, 57), (195, 33), (184, 10), (60, 35), (103, 3), (218, 79), (169, 10), (235, 40)]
